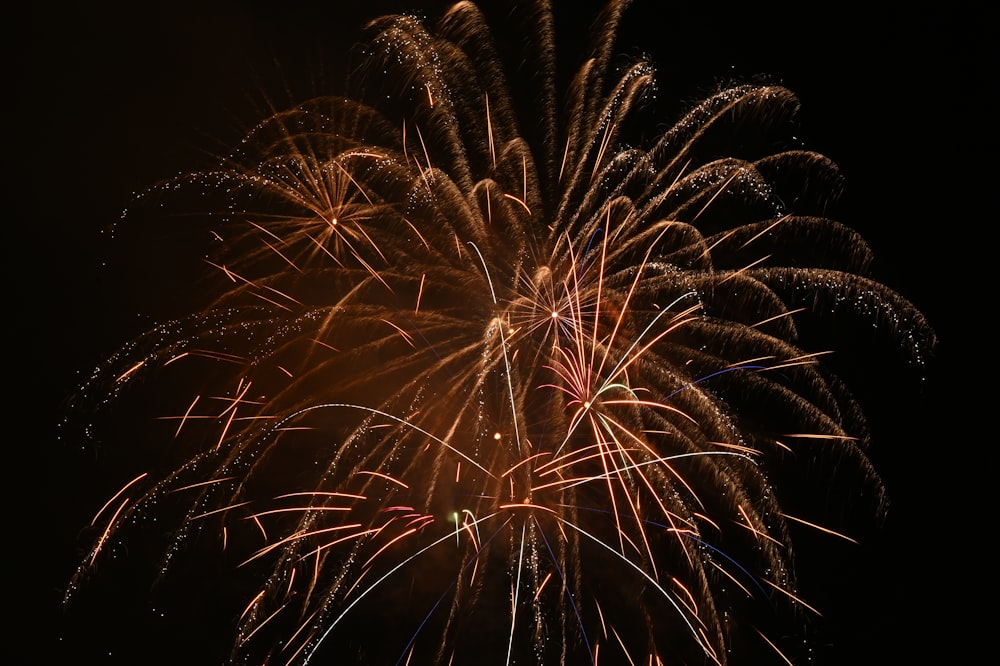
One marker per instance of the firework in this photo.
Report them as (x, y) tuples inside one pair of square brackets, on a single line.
[(486, 381)]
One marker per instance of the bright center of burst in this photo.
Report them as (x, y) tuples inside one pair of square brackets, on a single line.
[(555, 315), (497, 436)]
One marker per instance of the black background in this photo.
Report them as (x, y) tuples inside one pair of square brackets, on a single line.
[(113, 100)]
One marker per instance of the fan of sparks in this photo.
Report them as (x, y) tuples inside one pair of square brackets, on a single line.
[(485, 382)]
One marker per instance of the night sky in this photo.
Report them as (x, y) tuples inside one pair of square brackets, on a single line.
[(112, 102)]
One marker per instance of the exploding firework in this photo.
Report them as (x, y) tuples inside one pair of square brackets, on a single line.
[(490, 380)]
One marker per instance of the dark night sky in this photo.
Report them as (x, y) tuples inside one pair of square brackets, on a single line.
[(112, 102)]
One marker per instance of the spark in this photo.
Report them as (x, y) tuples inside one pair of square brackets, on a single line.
[(826, 530), (118, 494)]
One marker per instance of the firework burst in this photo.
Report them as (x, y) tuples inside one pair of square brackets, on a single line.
[(493, 382)]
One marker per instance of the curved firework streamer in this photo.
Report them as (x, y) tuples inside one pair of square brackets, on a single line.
[(501, 396)]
